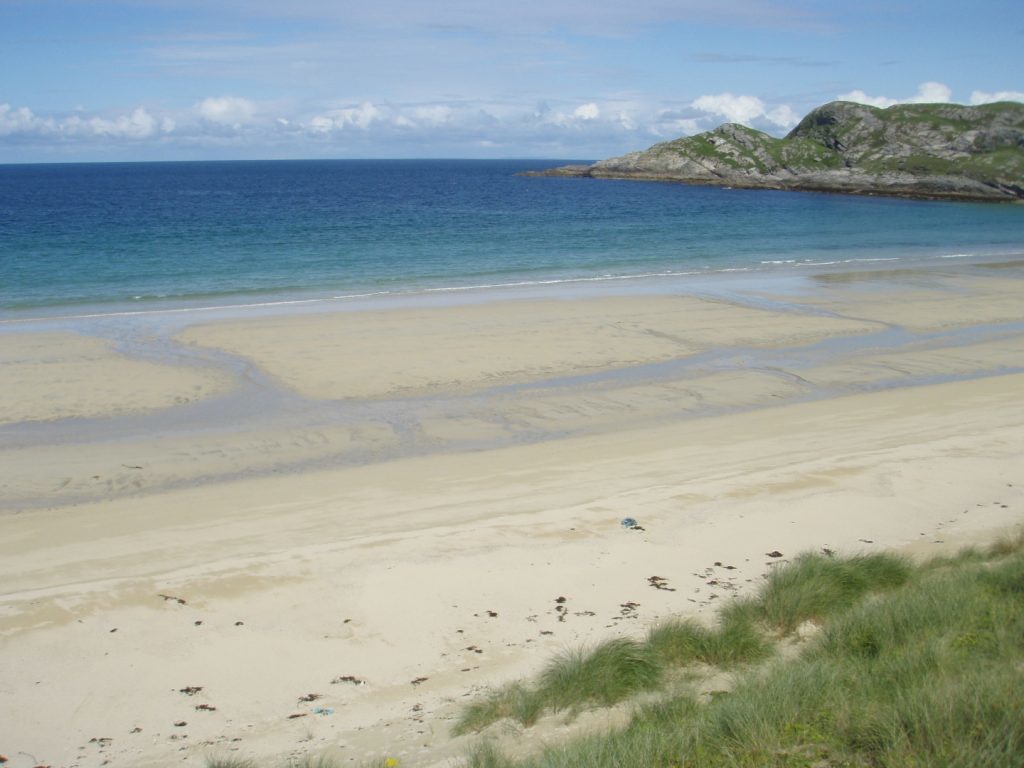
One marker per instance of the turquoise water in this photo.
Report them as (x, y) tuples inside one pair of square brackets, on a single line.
[(97, 237)]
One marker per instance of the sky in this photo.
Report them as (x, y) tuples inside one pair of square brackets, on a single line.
[(127, 80)]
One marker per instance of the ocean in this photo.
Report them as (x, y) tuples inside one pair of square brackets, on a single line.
[(95, 238)]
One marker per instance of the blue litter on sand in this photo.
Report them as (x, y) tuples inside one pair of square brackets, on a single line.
[(323, 711), (629, 522)]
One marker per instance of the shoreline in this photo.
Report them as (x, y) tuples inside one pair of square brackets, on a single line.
[(354, 494), (666, 281), (574, 171)]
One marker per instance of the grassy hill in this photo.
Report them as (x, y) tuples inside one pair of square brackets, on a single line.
[(944, 151)]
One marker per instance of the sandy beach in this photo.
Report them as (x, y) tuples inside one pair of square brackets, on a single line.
[(277, 534)]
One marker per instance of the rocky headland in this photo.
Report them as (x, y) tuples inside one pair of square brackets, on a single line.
[(940, 151)]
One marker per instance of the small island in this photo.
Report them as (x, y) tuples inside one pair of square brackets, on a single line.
[(933, 151)]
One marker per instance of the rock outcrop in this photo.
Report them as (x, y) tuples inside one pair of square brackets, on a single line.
[(943, 151)]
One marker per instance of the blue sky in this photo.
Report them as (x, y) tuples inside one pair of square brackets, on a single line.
[(88, 80)]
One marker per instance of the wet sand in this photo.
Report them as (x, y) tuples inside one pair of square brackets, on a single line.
[(374, 513)]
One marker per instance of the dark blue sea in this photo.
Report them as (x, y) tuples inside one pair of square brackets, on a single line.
[(103, 237)]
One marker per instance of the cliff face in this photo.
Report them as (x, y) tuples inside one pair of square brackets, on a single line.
[(915, 150)]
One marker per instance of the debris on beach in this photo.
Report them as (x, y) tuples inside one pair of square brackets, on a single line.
[(627, 610), (311, 697), (560, 608), (178, 600), (348, 679), (419, 680), (660, 582), (630, 524), (774, 553), (191, 690)]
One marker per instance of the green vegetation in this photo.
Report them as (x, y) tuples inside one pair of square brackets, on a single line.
[(736, 640), (814, 587), (811, 588), (933, 150), (603, 676), (982, 143), (912, 666)]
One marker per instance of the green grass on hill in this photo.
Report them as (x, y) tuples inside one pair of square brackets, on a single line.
[(913, 666)]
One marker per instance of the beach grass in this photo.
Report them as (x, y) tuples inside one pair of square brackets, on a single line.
[(810, 588), (601, 676), (912, 666), (815, 586), (736, 640), (604, 675), (230, 762)]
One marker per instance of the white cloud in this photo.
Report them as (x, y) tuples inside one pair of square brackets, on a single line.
[(361, 117), (22, 120), (228, 126), (783, 116), (589, 115), (872, 101), (138, 124), (735, 109), (927, 93), (746, 110), (983, 97), (226, 110), (932, 93)]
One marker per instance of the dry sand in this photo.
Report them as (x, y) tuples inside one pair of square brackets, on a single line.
[(384, 510)]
